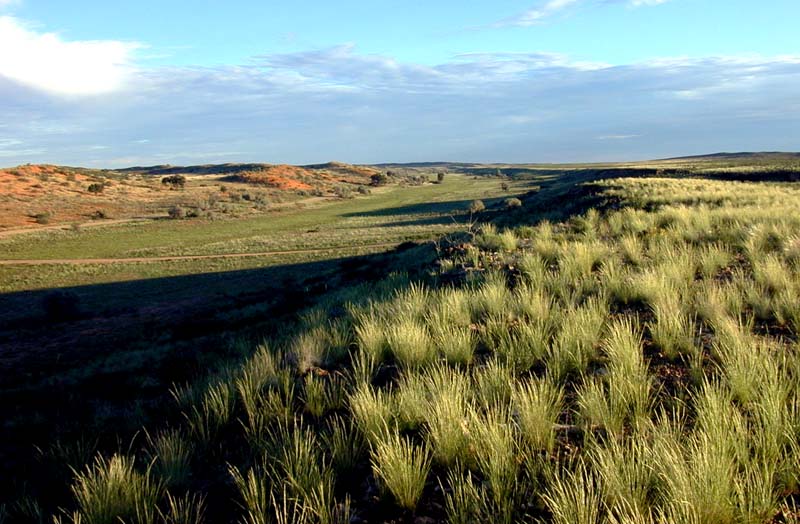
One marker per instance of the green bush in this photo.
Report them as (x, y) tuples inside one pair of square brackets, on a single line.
[(174, 181), (379, 179)]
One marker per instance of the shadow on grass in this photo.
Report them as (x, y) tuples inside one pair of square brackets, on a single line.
[(115, 315), (107, 372)]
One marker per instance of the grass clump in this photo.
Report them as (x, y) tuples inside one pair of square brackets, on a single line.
[(402, 468), (410, 344), (111, 490), (537, 404)]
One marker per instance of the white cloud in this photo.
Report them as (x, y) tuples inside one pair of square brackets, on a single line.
[(73, 68)]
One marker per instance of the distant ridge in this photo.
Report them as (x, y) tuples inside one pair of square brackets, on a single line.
[(740, 156)]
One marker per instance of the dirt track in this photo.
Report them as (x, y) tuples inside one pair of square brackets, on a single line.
[(81, 261)]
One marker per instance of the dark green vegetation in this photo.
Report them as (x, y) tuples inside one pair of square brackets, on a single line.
[(622, 347)]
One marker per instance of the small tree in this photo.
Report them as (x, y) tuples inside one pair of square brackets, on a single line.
[(440, 177), (379, 179), (476, 206), (174, 181)]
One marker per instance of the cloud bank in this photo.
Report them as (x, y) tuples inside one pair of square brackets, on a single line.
[(338, 103)]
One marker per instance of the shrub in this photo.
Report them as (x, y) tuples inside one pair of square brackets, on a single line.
[(504, 186), (512, 203), (439, 177), (364, 190), (96, 188), (42, 218), (379, 179), (476, 206), (176, 212), (343, 192), (174, 181)]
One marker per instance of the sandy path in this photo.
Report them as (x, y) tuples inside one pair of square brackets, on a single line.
[(81, 261)]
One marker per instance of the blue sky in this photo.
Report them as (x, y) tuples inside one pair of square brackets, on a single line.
[(102, 84)]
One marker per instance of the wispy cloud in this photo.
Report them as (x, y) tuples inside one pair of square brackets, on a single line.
[(338, 103), (617, 137), (48, 63), (538, 14)]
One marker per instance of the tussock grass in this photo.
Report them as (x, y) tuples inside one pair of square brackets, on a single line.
[(214, 412), (371, 336), (322, 394), (410, 343), (576, 344), (493, 384), (673, 330), (345, 444), (494, 451), (188, 509), (628, 379), (172, 455), (492, 298), (455, 343), (537, 405), (257, 499), (402, 468), (465, 501), (372, 410), (110, 490), (574, 497)]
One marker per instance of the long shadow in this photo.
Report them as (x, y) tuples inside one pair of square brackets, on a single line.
[(37, 341), (99, 370)]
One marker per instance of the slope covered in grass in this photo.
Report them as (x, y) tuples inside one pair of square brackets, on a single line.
[(638, 362)]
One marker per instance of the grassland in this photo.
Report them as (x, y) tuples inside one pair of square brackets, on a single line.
[(634, 359), (390, 215)]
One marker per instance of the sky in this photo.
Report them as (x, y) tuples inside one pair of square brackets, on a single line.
[(113, 84)]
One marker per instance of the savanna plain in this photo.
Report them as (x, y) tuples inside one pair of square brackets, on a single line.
[(411, 343)]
